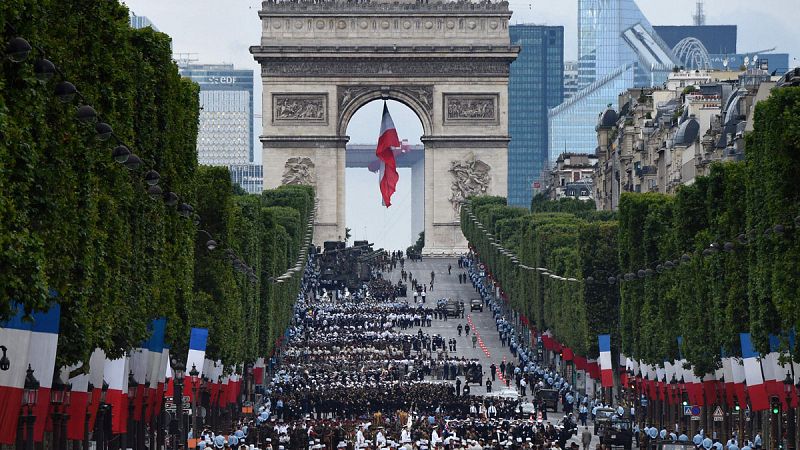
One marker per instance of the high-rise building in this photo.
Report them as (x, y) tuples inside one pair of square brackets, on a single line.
[(141, 22), (570, 78), (715, 38), (535, 85), (249, 177), (617, 50), (714, 47), (225, 135)]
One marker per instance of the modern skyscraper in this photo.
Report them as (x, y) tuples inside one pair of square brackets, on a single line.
[(249, 177), (570, 78), (225, 136), (141, 22), (536, 84), (617, 50)]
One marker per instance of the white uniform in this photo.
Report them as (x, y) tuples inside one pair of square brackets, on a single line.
[(359, 439), (380, 439), (435, 439)]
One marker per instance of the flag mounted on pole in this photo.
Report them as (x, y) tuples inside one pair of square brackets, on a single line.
[(196, 358), (756, 390), (15, 336), (606, 369), (386, 141), (42, 359)]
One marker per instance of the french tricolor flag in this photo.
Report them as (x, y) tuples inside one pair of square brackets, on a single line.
[(661, 383), (196, 358), (710, 381), (161, 386), (752, 372), (116, 375), (774, 372), (42, 359), (79, 399), (15, 335), (694, 387), (258, 371), (386, 141), (139, 360), (233, 388), (606, 369), (155, 369), (652, 381), (727, 375), (215, 375), (669, 375), (96, 377)]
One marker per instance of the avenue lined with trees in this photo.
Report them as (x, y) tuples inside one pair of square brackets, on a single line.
[(113, 250), (680, 283)]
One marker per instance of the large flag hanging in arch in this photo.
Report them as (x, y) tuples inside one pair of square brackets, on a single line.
[(386, 141)]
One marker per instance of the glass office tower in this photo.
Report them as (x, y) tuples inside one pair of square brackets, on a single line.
[(225, 134), (535, 85), (249, 177), (617, 50)]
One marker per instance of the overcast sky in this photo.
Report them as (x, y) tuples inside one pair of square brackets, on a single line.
[(223, 30)]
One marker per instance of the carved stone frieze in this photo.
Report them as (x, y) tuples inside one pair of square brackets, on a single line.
[(422, 94), (344, 6), (470, 177), (303, 108), (471, 108), (360, 67), (299, 170)]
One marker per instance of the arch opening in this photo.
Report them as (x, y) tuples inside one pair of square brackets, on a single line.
[(398, 226)]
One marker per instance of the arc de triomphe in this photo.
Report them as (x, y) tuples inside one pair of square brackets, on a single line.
[(322, 60)]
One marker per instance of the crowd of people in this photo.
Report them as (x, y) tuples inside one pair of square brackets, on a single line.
[(364, 369)]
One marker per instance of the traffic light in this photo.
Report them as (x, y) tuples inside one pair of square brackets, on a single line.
[(736, 407), (685, 403), (776, 405)]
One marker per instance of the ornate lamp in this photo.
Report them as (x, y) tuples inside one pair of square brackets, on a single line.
[(132, 385), (193, 374), (58, 391), (30, 394)]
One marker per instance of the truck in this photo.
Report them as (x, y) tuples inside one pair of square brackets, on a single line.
[(548, 398), (453, 307), (615, 432)]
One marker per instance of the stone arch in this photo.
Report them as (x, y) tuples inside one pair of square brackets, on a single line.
[(418, 98), (454, 79)]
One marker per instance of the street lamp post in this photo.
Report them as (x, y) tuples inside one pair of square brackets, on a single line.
[(796, 422), (788, 385), (89, 390), (143, 422), (193, 374), (130, 435), (205, 398), (103, 413), (177, 382), (675, 409), (56, 400), (30, 396)]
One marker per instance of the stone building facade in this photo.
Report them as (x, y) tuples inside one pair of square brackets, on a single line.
[(656, 140)]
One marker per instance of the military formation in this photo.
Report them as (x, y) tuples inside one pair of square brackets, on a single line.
[(363, 370)]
